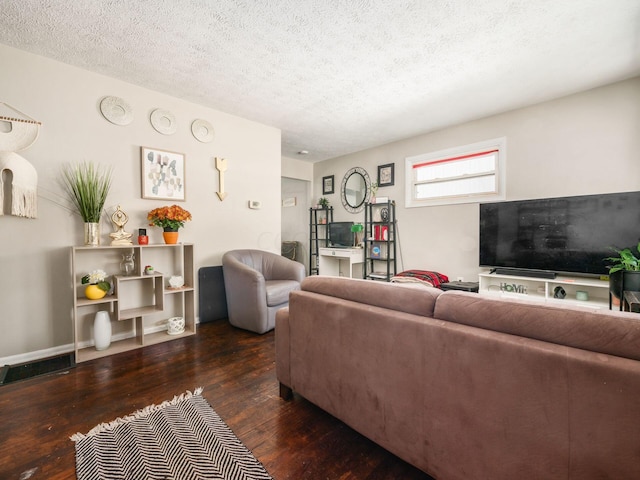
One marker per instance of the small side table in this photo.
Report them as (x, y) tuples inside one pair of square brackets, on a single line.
[(631, 302)]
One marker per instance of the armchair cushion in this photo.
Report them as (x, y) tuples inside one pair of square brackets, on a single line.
[(278, 291)]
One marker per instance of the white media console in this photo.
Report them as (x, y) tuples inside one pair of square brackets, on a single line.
[(588, 292)]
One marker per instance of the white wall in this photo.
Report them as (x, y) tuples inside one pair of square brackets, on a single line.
[(294, 168), (582, 144), (35, 285)]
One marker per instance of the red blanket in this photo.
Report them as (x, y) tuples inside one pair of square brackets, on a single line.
[(434, 278)]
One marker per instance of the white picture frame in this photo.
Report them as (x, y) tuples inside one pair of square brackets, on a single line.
[(162, 174)]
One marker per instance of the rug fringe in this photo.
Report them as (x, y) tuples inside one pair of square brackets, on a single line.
[(103, 427)]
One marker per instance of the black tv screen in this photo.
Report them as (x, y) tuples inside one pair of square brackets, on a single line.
[(563, 235), (340, 235)]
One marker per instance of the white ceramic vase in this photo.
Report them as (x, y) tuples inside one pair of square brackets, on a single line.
[(102, 330)]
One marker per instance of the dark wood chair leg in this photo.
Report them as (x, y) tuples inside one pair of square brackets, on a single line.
[(286, 393)]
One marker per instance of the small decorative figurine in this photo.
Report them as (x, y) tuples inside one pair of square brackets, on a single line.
[(120, 237), (176, 281)]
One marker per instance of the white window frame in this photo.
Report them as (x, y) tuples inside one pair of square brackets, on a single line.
[(497, 145)]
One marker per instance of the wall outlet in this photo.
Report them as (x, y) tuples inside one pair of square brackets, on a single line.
[(461, 279), (255, 204)]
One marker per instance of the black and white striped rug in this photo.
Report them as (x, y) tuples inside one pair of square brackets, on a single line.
[(181, 439)]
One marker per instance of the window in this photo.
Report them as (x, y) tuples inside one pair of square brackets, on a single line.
[(472, 173)]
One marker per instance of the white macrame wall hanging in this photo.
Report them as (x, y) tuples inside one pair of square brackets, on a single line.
[(17, 132)]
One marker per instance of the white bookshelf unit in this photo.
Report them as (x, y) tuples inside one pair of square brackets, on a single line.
[(140, 304), (542, 289)]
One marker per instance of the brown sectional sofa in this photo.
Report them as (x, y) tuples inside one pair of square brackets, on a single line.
[(465, 386)]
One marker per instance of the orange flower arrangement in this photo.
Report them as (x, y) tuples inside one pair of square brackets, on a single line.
[(170, 218)]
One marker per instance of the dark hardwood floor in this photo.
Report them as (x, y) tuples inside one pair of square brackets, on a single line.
[(293, 439)]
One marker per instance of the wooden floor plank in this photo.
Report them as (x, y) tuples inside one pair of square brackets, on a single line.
[(294, 440)]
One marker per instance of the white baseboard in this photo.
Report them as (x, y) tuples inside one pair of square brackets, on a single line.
[(62, 349), (36, 355)]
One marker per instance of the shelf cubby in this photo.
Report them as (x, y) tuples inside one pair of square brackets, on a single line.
[(543, 290)]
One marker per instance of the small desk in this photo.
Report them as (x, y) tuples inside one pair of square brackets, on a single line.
[(631, 302), (329, 260)]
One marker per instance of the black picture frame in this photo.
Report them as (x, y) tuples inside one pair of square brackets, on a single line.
[(328, 184), (386, 175)]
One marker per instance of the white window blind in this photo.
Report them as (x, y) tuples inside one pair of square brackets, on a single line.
[(459, 175)]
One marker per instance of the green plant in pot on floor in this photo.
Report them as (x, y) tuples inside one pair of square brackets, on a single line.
[(624, 272)]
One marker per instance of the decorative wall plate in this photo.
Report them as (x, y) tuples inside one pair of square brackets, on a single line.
[(116, 110), (163, 121), (202, 130)]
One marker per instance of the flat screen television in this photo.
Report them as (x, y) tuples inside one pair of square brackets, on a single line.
[(340, 235), (563, 235)]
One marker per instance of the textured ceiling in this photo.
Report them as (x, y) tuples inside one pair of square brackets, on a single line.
[(338, 76)]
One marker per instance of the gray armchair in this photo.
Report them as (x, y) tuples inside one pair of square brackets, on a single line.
[(257, 284)]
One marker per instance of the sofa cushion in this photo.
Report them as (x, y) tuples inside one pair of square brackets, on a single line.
[(397, 297), (596, 330)]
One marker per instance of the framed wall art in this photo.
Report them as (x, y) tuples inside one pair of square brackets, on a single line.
[(327, 185), (289, 202), (162, 174), (386, 175)]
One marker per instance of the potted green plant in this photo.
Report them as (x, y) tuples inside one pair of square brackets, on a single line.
[(624, 271), (323, 202), (88, 187)]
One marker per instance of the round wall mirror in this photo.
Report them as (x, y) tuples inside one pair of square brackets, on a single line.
[(355, 189)]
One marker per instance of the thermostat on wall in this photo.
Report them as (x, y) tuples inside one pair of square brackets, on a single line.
[(255, 204)]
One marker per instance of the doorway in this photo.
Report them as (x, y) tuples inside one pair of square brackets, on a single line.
[(295, 216)]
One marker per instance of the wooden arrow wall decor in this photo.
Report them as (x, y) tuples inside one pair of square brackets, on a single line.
[(221, 166)]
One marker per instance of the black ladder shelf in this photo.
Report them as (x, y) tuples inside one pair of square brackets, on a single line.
[(380, 241), (318, 234)]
